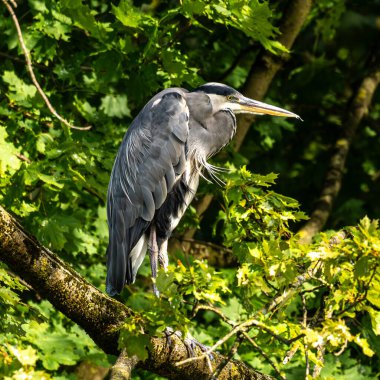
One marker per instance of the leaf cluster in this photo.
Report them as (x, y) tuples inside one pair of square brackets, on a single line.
[(99, 63)]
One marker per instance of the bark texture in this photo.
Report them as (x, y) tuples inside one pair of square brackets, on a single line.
[(122, 369), (357, 109), (99, 315)]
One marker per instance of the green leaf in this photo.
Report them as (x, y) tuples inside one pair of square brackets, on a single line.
[(127, 14), (8, 154), (55, 347), (26, 357), (19, 92), (43, 140), (115, 106), (137, 345), (50, 180)]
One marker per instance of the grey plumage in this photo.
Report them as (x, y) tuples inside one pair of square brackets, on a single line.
[(156, 170)]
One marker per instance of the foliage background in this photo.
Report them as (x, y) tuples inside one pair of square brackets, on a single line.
[(99, 63)]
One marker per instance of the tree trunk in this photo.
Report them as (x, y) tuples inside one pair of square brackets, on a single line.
[(357, 109)]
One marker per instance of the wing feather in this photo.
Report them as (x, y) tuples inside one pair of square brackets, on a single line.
[(149, 162)]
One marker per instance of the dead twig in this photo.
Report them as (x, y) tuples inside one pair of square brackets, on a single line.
[(23, 158), (288, 293), (264, 355), (29, 65), (237, 329), (249, 323)]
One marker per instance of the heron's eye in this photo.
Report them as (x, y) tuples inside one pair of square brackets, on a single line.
[(232, 98)]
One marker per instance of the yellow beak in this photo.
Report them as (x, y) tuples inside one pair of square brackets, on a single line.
[(246, 105)]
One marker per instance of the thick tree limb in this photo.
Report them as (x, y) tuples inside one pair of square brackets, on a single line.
[(261, 76), (99, 315), (357, 109)]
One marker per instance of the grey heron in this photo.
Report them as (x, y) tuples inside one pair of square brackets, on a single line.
[(156, 171)]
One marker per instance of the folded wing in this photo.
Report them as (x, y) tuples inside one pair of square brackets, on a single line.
[(150, 160)]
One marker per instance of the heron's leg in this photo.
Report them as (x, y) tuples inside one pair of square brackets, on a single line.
[(153, 255), (163, 259), (191, 344)]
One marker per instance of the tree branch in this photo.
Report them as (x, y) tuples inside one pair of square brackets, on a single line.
[(122, 369), (357, 109), (29, 65), (267, 64), (99, 315), (263, 354)]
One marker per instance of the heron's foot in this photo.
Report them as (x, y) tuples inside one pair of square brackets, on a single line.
[(190, 343), (169, 332)]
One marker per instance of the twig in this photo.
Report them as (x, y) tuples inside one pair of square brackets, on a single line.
[(289, 355), (340, 352), (94, 193), (251, 322), (304, 325), (235, 330), (216, 311), (320, 355), (312, 290), (23, 158), (294, 286), (231, 354), (263, 354), (30, 68), (321, 349)]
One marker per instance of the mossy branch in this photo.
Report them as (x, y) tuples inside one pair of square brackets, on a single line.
[(99, 315), (122, 369)]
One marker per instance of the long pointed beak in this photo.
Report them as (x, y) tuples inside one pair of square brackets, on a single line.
[(259, 108)]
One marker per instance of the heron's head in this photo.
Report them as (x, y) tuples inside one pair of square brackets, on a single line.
[(224, 97)]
